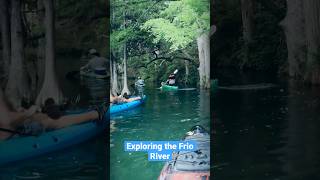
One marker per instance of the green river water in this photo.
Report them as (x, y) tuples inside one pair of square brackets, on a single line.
[(164, 116)]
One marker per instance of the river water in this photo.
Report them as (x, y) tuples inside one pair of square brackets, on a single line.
[(164, 116), (269, 134)]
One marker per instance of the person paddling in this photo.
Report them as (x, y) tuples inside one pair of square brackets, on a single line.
[(172, 78), (139, 85), (96, 64)]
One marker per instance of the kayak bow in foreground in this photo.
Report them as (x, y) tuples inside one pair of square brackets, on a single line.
[(193, 165)]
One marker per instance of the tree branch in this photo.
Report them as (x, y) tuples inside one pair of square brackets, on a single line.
[(166, 59)]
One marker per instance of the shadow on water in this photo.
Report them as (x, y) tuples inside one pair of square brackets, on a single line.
[(85, 161), (267, 134)]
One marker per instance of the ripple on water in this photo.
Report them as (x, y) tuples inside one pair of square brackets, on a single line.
[(185, 120)]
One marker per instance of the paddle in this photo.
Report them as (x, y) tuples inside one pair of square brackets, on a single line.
[(174, 72)]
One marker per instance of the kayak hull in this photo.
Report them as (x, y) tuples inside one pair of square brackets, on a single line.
[(188, 165), (20, 148), (126, 106), (184, 176), (169, 88)]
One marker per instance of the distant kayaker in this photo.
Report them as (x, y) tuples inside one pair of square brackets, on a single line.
[(31, 121), (96, 64), (124, 99), (139, 85), (139, 82), (172, 78)]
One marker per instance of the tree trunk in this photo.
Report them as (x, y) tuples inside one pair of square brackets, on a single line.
[(41, 46), (125, 88), (204, 59), (186, 65), (17, 86), (125, 78), (50, 88), (293, 27), (247, 26), (114, 80), (247, 20), (111, 74), (312, 29), (5, 37)]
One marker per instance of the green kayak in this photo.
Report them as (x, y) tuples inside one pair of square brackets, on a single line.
[(168, 88)]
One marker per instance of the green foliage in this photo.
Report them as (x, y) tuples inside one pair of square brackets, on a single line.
[(179, 38), (180, 23), (140, 25), (268, 49), (126, 17), (81, 25)]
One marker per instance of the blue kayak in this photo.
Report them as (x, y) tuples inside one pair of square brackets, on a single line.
[(20, 148), (126, 106)]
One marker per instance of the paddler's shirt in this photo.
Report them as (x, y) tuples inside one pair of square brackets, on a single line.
[(97, 62)]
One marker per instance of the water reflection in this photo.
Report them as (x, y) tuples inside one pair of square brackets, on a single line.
[(302, 147), (267, 134), (98, 89), (80, 162)]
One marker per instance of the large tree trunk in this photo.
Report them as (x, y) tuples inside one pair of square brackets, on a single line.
[(50, 88), (111, 74), (247, 20), (125, 88), (41, 47), (17, 86), (247, 26), (5, 37), (293, 27), (312, 29), (114, 79), (204, 60)]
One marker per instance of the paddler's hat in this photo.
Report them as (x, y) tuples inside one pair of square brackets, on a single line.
[(93, 52)]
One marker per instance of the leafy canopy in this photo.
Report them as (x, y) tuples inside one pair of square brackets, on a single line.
[(180, 23)]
